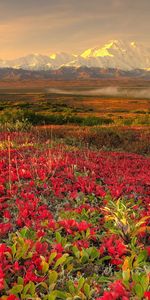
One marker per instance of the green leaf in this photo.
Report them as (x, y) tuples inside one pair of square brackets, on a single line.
[(51, 258), (13, 249), (44, 285), (31, 234), (61, 260), (26, 288), (71, 287), (23, 232), (87, 232), (94, 253), (58, 237), (142, 257), (80, 283), (126, 275), (53, 275), (135, 277), (84, 259), (87, 290), (61, 295), (45, 265), (16, 289), (104, 279), (101, 260), (26, 296), (67, 245), (51, 296), (20, 280), (139, 290), (145, 282), (22, 249), (32, 288), (84, 256), (76, 252)]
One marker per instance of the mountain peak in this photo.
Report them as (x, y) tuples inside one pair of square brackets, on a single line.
[(108, 48), (115, 54)]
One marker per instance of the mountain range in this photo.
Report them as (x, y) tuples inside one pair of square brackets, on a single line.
[(116, 54)]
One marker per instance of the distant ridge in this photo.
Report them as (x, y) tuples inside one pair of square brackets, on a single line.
[(72, 73)]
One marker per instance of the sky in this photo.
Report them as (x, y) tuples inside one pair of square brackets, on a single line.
[(48, 26)]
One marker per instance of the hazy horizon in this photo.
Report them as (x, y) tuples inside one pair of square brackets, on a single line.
[(46, 26)]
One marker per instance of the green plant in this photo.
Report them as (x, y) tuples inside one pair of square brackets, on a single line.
[(120, 219)]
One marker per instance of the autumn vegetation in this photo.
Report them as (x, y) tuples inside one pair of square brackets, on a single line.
[(74, 199)]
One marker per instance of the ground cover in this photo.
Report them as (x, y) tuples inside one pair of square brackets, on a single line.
[(51, 108), (74, 222), (133, 139)]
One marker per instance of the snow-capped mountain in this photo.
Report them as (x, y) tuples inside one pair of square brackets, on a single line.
[(38, 62), (31, 62), (116, 54)]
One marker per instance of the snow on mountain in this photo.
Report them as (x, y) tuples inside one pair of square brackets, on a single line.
[(38, 62), (117, 54), (61, 59), (31, 62)]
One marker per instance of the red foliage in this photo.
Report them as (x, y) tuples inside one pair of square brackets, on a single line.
[(37, 186)]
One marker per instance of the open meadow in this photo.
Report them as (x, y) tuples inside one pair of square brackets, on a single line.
[(74, 193)]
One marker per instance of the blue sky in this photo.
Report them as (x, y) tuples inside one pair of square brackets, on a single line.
[(47, 26)]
